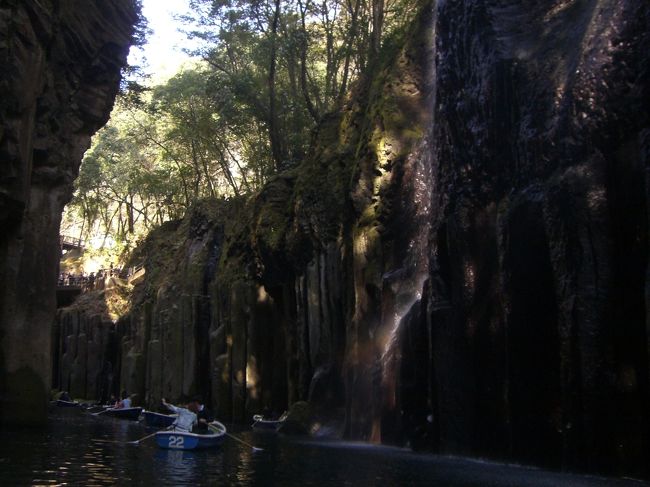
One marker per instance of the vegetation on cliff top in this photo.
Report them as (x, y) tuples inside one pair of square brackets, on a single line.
[(111, 303), (277, 227), (224, 127)]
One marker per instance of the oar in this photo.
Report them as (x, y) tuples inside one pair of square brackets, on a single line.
[(89, 407), (137, 442), (102, 412), (218, 427), (255, 448), (134, 442)]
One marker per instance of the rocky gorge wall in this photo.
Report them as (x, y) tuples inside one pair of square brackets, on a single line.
[(460, 264), (542, 242), (60, 65)]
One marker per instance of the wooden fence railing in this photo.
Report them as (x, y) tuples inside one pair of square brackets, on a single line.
[(71, 242)]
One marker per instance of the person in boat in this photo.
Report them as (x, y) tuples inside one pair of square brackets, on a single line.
[(186, 417), (203, 414), (125, 403), (267, 414)]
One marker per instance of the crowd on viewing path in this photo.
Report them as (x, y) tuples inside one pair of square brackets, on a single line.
[(92, 281)]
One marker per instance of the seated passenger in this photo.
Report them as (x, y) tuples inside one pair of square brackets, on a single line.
[(125, 403)]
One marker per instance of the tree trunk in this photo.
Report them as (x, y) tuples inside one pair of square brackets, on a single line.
[(274, 129), (377, 26), (303, 63), (129, 210), (354, 16)]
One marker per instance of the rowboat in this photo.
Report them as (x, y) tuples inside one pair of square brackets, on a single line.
[(184, 440), (158, 420), (261, 424), (123, 413), (98, 408)]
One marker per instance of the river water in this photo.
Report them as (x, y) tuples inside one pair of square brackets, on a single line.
[(72, 450)]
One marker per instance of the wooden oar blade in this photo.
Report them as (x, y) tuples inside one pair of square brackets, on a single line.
[(254, 448)]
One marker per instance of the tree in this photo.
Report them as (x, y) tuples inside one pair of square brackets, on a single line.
[(273, 69)]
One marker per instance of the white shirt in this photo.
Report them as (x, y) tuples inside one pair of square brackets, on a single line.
[(126, 403), (186, 418)]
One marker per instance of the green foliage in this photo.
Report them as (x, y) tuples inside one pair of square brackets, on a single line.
[(139, 38), (273, 70), (288, 63)]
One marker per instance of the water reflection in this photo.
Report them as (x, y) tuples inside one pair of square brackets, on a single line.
[(68, 453), (244, 469), (177, 467)]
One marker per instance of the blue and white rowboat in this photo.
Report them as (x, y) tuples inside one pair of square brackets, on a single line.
[(183, 440), (123, 413)]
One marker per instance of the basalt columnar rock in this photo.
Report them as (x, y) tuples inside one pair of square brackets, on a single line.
[(460, 263), (60, 64), (540, 242)]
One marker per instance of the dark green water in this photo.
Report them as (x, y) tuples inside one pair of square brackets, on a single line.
[(66, 453)]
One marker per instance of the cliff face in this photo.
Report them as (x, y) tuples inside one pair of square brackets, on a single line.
[(60, 68), (459, 264), (541, 240)]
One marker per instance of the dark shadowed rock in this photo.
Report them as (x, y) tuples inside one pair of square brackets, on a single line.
[(298, 420), (60, 68)]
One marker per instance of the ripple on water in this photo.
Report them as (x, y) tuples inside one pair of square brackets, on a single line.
[(64, 454)]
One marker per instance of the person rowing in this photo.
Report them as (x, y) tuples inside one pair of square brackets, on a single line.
[(203, 415), (186, 417)]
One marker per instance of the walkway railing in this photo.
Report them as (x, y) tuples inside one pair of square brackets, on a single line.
[(71, 242), (135, 273), (93, 281)]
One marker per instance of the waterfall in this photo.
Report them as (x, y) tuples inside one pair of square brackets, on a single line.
[(406, 283)]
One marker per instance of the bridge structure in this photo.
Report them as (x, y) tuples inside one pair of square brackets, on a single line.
[(70, 243), (65, 295), (68, 290)]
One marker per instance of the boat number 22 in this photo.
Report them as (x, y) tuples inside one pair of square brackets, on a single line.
[(176, 442)]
